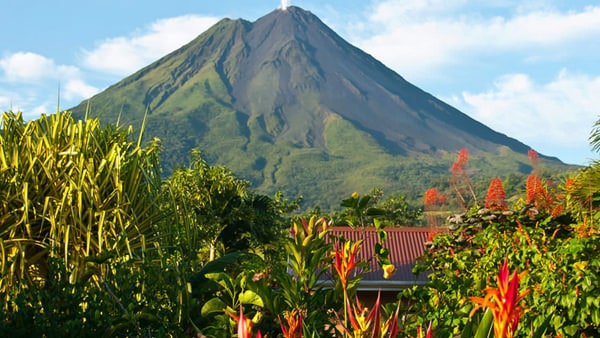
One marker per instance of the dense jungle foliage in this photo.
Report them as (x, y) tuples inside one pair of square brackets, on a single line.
[(93, 241)]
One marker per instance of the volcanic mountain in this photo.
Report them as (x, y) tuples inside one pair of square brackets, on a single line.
[(291, 106)]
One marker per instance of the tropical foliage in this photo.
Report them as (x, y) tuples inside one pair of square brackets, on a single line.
[(94, 241), (76, 191)]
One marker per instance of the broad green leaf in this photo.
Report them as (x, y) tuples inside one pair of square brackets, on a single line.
[(486, 326), (213, 305), (250, 297)]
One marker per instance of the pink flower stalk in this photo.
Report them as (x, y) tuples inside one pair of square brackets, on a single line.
[(244, 325), (428, 334), (503, 302)]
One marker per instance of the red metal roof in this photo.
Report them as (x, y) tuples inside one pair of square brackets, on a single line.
[(406, 244)]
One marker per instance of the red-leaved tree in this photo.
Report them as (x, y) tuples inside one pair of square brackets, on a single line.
[(496, 197)]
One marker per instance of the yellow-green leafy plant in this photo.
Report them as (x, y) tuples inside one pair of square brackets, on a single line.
[(74, 190)]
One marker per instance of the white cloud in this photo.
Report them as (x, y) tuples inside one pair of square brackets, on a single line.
[(34, 81), (418, 38), (77, 89), (27, 102), (556, 115), (124, 55), (31, 67)]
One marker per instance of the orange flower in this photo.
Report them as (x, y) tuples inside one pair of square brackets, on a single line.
[(503, 301), (294, 324)]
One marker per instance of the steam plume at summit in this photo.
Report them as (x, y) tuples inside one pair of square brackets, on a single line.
[(285, 4)]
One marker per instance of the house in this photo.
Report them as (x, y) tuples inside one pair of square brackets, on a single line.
[(406, 244)]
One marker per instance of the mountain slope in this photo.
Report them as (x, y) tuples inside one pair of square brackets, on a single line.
[(288, 104)]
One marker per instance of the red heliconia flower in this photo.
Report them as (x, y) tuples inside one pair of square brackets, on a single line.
[(496, 197), (244, 325), (346, 260), (293, 329), (364, 321), (503, 302)]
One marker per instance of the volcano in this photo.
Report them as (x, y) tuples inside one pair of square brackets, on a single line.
[(288, 104)]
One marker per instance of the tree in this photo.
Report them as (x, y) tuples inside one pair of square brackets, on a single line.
[(216, 208), (496, 198)]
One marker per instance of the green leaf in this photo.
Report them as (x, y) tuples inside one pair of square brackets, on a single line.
[(364, 201), (486, 326), (221, 278), (468, 330), (212, 306), (251, 297), (375, 212), (539, 333)]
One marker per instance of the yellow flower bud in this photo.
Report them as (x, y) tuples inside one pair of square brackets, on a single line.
[(388, 270), (307, 240)]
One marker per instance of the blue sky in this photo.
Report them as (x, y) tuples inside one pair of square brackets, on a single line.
[(528, 69)]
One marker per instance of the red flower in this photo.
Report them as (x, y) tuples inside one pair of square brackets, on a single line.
[(244, 325), (431, 197), (345, 260), (503, 302), (463, 158), (496, 197), (442, 200), (431, 235), (456, 168)]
